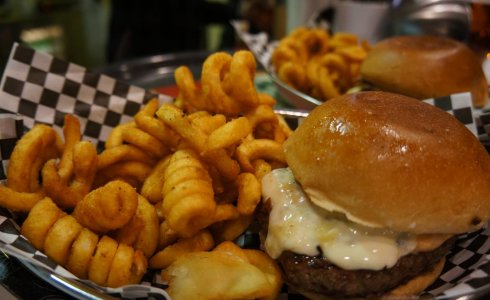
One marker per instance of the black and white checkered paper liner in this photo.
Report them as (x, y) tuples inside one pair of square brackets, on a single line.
[(37, 88)]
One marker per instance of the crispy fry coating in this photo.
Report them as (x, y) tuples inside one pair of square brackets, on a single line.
[(71, 133), (260, 148), (122, 153), (249, 193), (188, 203), (145, 141), (81, 253), (107, 208), (60, 238), (143, 229), (18, 201), (153, 184), (145, 120), (131, 172), (39, 221), (63, 239), (28, 157), (202, 241), (228, 134), (68, 192), (101, 261), (229, 230)]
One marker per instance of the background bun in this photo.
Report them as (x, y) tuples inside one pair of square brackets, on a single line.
[(425, 67), (393, 161)]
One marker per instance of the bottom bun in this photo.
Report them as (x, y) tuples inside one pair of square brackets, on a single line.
[(405, 291), (416, 285)]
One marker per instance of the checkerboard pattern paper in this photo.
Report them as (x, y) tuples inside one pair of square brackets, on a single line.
[(43, 89), (459, 106), (37, 88)]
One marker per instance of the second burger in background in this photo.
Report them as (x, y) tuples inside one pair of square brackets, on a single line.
[(377, 188), (425, 67)]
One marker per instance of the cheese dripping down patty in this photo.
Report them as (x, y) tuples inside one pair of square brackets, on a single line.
[(297, 225)]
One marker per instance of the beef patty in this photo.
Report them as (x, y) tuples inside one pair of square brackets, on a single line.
[(318, 275)]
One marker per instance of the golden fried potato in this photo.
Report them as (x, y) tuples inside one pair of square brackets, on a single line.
[(107, 208), (232, 276)]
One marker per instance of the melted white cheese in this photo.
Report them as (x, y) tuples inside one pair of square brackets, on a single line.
[(297, 225)]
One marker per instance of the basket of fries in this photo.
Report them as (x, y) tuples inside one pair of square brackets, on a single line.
[(309, 65), (117, 191)]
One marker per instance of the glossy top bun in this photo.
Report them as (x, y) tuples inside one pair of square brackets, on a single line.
[(425, 67), (392, 161)]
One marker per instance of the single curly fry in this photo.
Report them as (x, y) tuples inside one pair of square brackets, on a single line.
[(122, 153), (225, 165), (167, 236), (228, 134), (153, 184), (81, 253), (290, 49), (343, 39), (67, 193), (293, 75), (317, 41), (326, 84), (202, 241), (174, 117), (335, 64), (207, 123), (249, 193), (353, 53), (261, 114), (18, 201), (238, 83), (115, 137), (146, 226), (229, 230), (213, 70), (131, 172), (225, 212), (261, 168), (71, 133), (120, 271), (145, 120), (107, 208), (100, 264), (259, 148), (189, 204), (189, 94), (266, 99), (146, 142), (30, 153), (60, 238), (41, 218)]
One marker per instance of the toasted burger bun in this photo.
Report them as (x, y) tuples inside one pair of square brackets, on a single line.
[(394, 162), (425, 67), (417, 284)]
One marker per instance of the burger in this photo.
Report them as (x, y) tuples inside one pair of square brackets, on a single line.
[(424, 66), (377, 189)]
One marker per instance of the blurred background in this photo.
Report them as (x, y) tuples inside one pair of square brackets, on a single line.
[(102, 33)]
